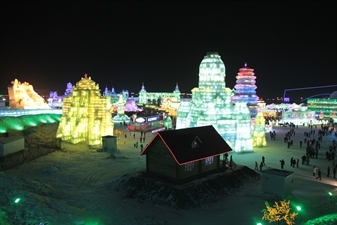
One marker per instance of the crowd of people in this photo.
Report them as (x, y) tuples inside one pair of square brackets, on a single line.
[(312, 140)]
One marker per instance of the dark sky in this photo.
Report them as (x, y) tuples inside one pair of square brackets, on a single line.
[(124, 43)]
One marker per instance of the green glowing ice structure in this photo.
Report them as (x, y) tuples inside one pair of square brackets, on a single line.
[(243, 142), (211, 105)]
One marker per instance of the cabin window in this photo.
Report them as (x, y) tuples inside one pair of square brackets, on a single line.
[(195, 144), (189, 166), (209, 161)]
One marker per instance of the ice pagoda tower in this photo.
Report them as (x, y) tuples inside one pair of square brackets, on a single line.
[(211, 104), (86, 114), (245, 89)]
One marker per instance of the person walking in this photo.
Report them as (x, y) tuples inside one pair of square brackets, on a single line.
[(314, 170), (282, 163), (297, 161), (328, 172), (319, 174), (261, 166), (256, 166), (307, 161), (231, 162), (263, 163)]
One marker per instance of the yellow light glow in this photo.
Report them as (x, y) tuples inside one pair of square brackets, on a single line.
[(86, 114)]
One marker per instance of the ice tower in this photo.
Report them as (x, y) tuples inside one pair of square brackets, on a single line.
[(142, 95), (211, 104), (176, 92), (245, 89), (243, 141), (259, 133)]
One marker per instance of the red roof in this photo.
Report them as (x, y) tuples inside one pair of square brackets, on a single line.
[(179, 143)]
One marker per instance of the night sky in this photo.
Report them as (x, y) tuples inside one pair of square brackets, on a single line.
[(121, 44)]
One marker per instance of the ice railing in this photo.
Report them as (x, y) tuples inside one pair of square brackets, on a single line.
[(17, 112)]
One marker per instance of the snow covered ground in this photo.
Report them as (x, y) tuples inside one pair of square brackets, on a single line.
[(74, 186)]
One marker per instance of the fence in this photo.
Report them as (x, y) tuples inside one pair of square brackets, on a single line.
[(28, 154)]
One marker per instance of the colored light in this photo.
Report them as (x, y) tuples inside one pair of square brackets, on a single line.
[(259, 224), (245, 89), (330, 193), (17, 200), (298, 208)]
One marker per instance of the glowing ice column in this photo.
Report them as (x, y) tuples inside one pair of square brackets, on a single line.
[(259, 133), (243, 142)]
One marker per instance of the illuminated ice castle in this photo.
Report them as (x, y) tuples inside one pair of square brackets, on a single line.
[(86, 114), (245, 89), (211, 105), (145, 97)]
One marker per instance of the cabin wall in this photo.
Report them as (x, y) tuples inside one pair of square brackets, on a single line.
[(160, 161), (182, 174), (213, 166), (200, 168)]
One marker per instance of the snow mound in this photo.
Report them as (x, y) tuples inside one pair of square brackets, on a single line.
[(29, 202), (50, 169), (330, 219), (185, 196), (43, 135), (32, 200)]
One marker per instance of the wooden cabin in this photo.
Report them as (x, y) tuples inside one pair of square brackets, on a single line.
[(185, 154)]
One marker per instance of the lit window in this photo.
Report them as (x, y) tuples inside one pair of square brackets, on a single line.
[(189, 166), (209, 161)]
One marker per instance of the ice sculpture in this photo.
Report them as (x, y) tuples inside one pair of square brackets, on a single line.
[(168, 123), (142, 95), (86, 114), (114, 97), (69, 89), (121, 117), (245, 89), (131, 106), (259, 133), (211, 105), (145, 97), (243, 141), (23, 96)]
